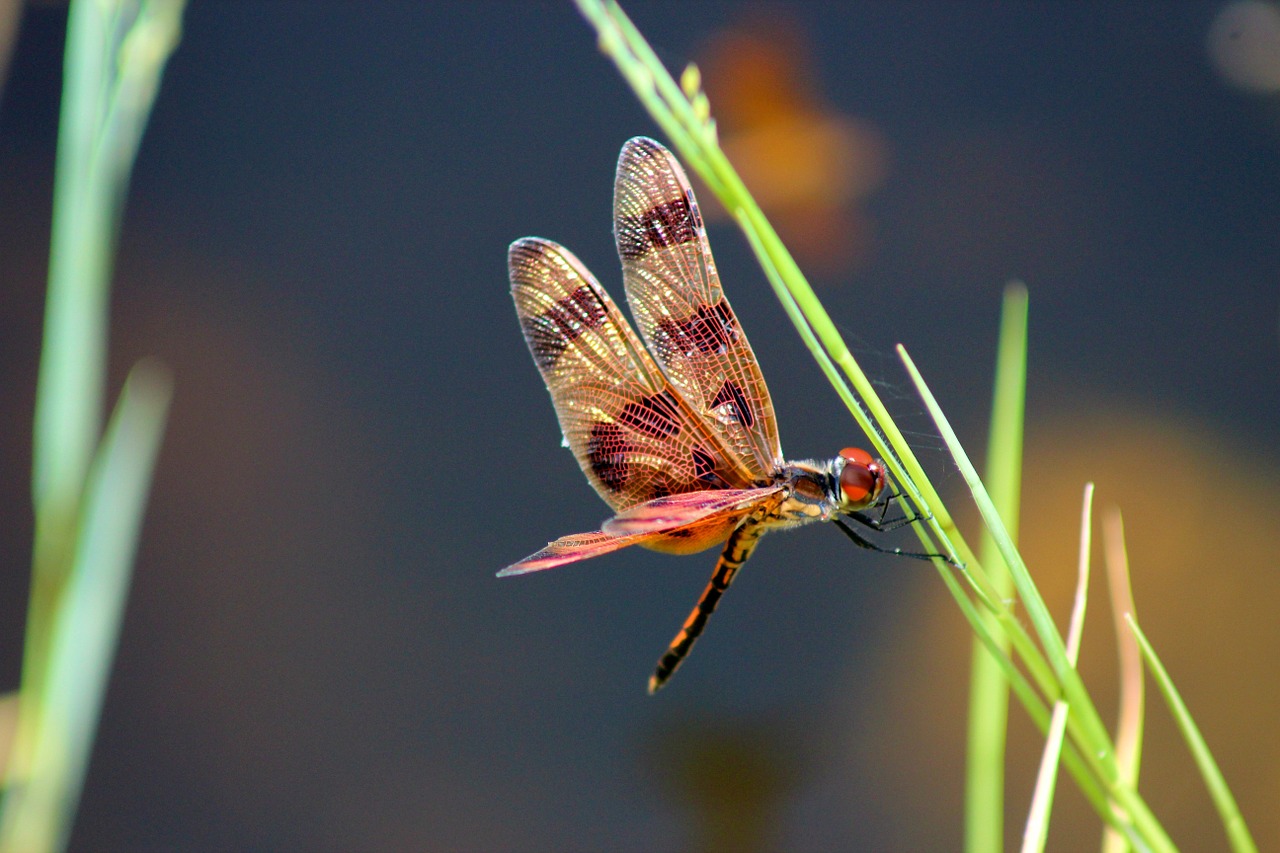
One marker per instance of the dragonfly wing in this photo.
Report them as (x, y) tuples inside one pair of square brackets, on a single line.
[(675, 296), (632, 432), (676, 512), (571, 549), (680, 524)]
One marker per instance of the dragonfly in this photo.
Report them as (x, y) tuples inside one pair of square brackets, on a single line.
[(678, 434)]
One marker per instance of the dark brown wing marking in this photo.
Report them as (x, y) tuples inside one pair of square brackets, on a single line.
[(667, 224), (709, 470), (680, 309), (633, 434), (711, 329), (731, 404), (550, 332), (607, 452), (656, 416)]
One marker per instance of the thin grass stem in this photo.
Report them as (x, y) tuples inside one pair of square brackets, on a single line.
[(1238, 834), (988, 686), (1037, 829)]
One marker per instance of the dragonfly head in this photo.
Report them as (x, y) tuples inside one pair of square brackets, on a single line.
[(862, 479)]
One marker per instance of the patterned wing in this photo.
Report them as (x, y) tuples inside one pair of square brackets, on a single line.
[(633, 434), (675, 296), (679, 524)]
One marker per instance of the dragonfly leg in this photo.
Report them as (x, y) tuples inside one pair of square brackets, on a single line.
[(863, 542), (878, 521)]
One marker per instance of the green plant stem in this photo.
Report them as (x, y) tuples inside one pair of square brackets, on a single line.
[(1084, 724), (1037, 830), (69, 389), (115, 52), (1031, 701), (1228, 810), (38, 809), (988, 687)]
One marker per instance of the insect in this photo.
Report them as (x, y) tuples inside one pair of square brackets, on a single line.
[(677, 435)]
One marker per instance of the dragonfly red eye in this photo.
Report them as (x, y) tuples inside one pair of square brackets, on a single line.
[(861, 478)]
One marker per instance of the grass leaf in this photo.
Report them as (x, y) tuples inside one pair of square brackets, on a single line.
[(1037, 829), (988, 686), (1237, 832), (115, 53), (39, 809), (683, 112)]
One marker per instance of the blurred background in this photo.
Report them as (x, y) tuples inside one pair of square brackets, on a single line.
[(316, 654)]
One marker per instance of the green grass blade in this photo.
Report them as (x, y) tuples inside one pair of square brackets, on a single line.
[(1084, 724), (1037, 829), (73, 363), (1031, 701), (38, 811), (115, 52), (72, 377), (114, 56), (988, 687), (1228, 810), (1042, 622), (1004, 445)]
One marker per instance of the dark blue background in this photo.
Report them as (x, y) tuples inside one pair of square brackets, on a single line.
[(316, 654)]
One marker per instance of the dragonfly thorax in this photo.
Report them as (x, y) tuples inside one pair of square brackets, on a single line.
[(819, 490)]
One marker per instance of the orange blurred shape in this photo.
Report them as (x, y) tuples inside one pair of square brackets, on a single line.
[(732, 773), (808, 166)]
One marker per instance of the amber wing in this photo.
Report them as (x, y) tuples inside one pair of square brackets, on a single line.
[(633, 433), (677, 511), (679, 524), (683, 315)]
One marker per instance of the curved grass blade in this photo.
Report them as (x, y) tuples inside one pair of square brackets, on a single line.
[(1228, 810), (683, 113)]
